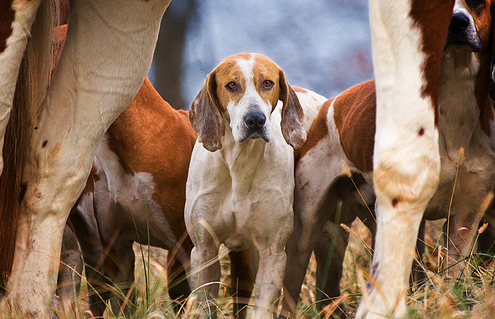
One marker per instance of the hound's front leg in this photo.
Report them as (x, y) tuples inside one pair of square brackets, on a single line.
[(269, 279), (460, 230), (204, 280)]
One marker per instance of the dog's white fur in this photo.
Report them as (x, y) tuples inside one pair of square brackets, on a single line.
[(241, 195)]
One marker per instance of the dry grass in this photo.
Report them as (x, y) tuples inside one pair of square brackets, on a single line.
[(468, 297)]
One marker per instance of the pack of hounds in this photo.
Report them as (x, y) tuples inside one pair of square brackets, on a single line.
[(269, 170)]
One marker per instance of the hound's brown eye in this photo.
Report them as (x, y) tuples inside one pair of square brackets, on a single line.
[(267, 84), (231, 86)]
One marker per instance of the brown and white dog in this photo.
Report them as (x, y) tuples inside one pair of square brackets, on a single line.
[(341, 142), (241, 177), (408, 39), (136, 192)]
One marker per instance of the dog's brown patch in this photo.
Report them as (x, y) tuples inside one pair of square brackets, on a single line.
[(317, 131), (354, 116), (433, 19)]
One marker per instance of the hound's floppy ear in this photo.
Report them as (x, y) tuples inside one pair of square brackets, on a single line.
[(205, 116), (292, 114)]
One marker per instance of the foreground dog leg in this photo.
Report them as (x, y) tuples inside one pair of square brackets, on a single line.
[(90, 88), (18, 17), (19, 95), (269, 281), (407, 49), (205, 276)]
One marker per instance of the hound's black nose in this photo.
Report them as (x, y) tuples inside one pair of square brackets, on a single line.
[(255, 120), (458, 23)]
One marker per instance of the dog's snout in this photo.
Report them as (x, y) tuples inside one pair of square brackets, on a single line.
[(462, 33), (458, 23), (255, 120)]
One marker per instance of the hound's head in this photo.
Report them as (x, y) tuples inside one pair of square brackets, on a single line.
[(242, 92), (471, 25)]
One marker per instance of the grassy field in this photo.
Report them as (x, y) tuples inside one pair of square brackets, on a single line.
[(467, 297)]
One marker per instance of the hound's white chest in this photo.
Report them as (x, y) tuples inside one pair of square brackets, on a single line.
[(258, 202), (467, 159), (242, 197)]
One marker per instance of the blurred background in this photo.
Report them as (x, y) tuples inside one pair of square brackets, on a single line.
[(322, 45)]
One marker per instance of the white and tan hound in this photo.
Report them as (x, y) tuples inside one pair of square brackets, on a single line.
[(241, 177), (342, 138)]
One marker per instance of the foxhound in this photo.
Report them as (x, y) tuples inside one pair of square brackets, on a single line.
[(341, 146), (136, 193), (241, 177)]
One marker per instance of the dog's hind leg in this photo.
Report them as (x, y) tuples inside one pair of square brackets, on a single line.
[(329, 254), (486, 239), (70, 271), (83, 219), (310, 218), (418, 270), (119, 268)]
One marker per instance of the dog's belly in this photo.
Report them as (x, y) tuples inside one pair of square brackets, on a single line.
[(125, 205), (237, 242), (131, 212)]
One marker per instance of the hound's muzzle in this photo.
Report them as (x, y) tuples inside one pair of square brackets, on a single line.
[(255, 125), (462, 33)]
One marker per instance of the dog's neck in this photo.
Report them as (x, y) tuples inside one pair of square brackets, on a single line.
[(458, 111), (242, 158), (245, 155)]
